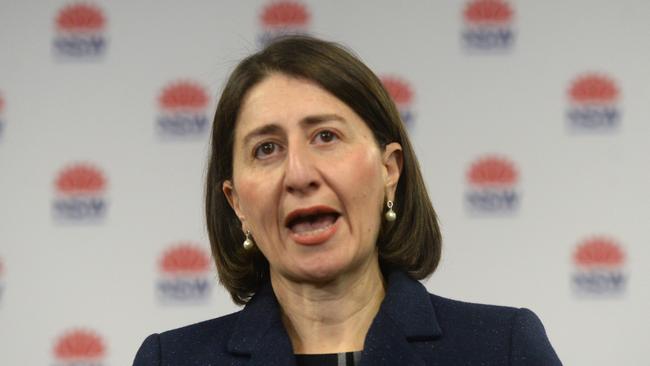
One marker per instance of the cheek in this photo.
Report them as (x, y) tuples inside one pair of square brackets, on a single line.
[(361, 175), (365, 191), (254, 189), (252, 198)]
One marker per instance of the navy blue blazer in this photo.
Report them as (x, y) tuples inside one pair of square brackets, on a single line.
[(412, 327)]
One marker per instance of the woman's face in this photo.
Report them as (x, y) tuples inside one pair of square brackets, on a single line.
[(309, 180)]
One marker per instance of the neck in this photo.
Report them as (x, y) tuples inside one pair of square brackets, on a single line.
[(333, 317)]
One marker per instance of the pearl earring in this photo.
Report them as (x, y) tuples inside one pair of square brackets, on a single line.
[(390, 214), (248, 243)]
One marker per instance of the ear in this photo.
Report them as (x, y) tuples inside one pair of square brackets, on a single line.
[(392, 161), (233, 199)]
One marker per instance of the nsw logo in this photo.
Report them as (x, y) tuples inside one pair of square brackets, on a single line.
[(488, 25), (492, 186), (599, 267), (79, 347), (183, 110), (79, 32), (593, 104), (184, 274), (80, 194), (402, 94), (282, 18)]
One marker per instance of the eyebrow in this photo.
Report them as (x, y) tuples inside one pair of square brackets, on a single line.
[(308, 121), (320, 118)]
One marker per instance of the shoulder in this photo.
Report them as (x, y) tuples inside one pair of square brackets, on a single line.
[(198, 342), (470, 314), (516, 336), (206, 331)]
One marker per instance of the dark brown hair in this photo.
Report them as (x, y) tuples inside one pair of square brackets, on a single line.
[(411, 244)]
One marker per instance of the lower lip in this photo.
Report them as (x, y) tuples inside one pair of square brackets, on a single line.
[(316, 238)]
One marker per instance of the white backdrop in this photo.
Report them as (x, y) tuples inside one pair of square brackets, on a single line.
[(530, 120)]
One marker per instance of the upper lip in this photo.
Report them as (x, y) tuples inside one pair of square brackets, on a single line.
[(307, 211)]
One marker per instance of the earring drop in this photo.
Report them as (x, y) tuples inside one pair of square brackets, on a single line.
[(390, 214), (248, 243)]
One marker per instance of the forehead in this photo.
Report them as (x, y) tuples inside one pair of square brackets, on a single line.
[(283, 99)]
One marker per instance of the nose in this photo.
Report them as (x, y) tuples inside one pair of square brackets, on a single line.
[(301, 173)]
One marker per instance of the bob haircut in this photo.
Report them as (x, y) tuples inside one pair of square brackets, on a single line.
[(411, 244)]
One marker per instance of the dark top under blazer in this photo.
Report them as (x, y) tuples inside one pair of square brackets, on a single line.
[(412, 327)]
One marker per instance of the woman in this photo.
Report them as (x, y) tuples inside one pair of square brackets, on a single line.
[(321, 225)]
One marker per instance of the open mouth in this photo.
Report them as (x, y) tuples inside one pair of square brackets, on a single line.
[(311, 221)]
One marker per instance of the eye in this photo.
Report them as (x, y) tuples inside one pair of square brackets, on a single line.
[(266, 149), (326, 136)]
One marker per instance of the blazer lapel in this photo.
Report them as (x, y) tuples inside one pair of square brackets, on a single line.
[(405, 328), (386, 344), (260, 334), (274, 349), (402, 333)]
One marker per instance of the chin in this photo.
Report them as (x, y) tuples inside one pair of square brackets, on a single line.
[(320, 270), (320, 275)]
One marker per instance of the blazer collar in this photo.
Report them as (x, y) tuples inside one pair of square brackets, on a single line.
[(405, 316), (405, 326), (408, 304)]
